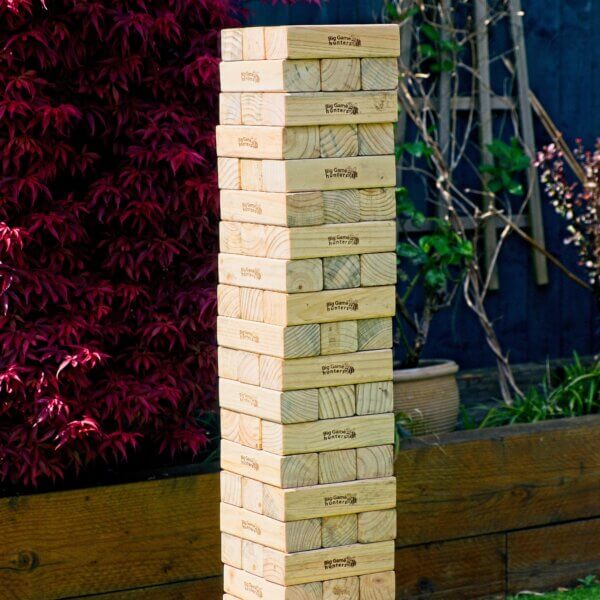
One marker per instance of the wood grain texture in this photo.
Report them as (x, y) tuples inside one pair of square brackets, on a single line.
[(377, 204), (336, 402), (341, 206), (342, 272), (377, 526), (375, 461), (375, 334), (337, 466), (230, 109), (229, 173), (338, 141), (378, 269), (123, 529), (339, 531), (253, 43), (339, 337), (500, 479), (379, 73), (378, 586), (340, 75), (345, 588), (231, 44), (374, 398), (549, 557), (375, 138)]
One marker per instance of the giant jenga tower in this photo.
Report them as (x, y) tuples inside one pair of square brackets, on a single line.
[(306, 298)]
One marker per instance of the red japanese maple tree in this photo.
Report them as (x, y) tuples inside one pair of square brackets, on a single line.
[(108, 225)]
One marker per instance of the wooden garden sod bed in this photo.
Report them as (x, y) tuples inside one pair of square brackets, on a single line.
[(479, 514)]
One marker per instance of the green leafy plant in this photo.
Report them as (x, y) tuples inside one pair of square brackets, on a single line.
[(435, 264), (440, 52), (509, 161)]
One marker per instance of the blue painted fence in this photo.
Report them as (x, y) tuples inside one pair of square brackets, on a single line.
[(532, 322)]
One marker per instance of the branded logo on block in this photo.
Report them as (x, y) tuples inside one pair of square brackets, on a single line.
[(252, 273), (251, 76), (337, 369), (341, 108), (253, 589), (248, 399), (249, 526), (247, 142), (249, 336), (342, 306), (344, 40), (343, 240), (252, 207), (248, 461), (348, 562), (341, 500), (339, 434), (341, 173)]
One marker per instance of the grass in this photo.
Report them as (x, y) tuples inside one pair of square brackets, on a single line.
[(581, 593)]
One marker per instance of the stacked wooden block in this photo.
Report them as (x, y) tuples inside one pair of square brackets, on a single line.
[(306, 298)]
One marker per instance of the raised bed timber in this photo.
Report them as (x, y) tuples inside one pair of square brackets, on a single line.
[(480, 514)]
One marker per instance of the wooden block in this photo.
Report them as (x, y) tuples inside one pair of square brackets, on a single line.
[(282, 407), (346, 588), (250, 431), (339, 531), (291, 276), (338, 338), (253, 43), (375, 398), (375, 334), (230, 425), (331, 41), (296, 536), (251, 304), (376, 138), (282, 471), (340, 75), (337, 466), (325, 371), (286, 342), (327, 563), (341, 272), (377, 526), (375, 461), (307, 175), (228, 301), (244, 141), (377, 204), (231, 488), (379, 73), (229, 173), (337, 402), (378, 269), (230, 109), (298, 209), (271, 76), (251, 175), (338, 141), (252, 557), (231, 44), (231, 550), (341, 206), (252, 495), (327, 306), (330, 434), (329, 500), (239, 366), (320, 108), (228, 363), (230, 237), (246, 586), (378, 586)]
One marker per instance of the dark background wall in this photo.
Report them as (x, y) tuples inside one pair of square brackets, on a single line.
[(564, 62)]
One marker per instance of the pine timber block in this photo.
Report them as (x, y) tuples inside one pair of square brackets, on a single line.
[(338, 141), (336, 402), (375, 461), (239, 366), (231, 44), (251, 304), (293, 243), (285, 342), (318, 108), (295, 536), (252, 495), (281, 471), (337, 466), (377, 526), (330, 500), (246, 586), (253, 43), (252, 558), (250, 432), (332, 41), (340, 75), (379, 73), (291, 276), (334, 434), (298, 209), (378, 269), (345, 588), (271, 76), (375, 334), (307, 175), (325, 371), (341, 272), (341, 206), (229, 170), (375, 139), (244, 141), (378, 586), (228, 301), (231, 550), (377, 204), (339, 531), (339, 337), (231, 488), (299, 406), (374, 398), (329, 305), (230, 425), (230, 109), (327, 563)]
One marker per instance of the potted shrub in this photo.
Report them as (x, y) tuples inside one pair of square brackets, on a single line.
[(430, 269)]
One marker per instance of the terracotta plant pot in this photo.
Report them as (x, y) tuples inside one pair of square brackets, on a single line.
[(428, 396)]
